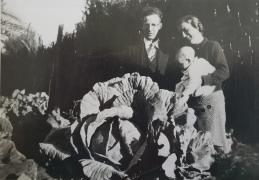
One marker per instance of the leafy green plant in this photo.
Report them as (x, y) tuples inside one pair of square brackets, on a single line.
[(21, 104)]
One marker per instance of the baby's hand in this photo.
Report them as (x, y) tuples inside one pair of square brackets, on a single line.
[(182, 100)]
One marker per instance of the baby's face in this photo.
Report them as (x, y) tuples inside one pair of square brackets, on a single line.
[(184, 58), (184, 62)]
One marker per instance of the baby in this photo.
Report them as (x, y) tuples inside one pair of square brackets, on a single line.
[(193, 68)]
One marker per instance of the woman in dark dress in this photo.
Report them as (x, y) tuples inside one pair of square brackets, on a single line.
[(209, 107)]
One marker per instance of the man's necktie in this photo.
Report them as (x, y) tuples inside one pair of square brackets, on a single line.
[(151, 52)]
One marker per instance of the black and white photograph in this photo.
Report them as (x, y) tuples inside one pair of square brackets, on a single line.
[(129, 90)]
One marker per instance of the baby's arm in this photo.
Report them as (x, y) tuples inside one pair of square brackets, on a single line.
[(198, 69)]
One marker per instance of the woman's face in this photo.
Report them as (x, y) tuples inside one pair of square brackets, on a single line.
[(190, 33)]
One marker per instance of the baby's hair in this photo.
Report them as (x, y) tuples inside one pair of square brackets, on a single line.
[(185, 49)]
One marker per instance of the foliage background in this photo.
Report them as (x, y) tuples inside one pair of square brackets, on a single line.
[(67, 69)]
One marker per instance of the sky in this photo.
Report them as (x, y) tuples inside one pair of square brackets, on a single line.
[(44, 16)]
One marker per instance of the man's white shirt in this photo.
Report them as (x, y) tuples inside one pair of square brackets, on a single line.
[(151, 48)]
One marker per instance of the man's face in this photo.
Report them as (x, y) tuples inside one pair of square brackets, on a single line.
[(151, 26)]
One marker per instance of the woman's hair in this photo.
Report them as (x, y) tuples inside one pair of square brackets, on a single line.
[(193, 20)]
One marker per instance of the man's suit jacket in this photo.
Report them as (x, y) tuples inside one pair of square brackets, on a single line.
[(136, 60)]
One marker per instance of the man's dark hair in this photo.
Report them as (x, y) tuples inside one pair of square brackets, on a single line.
[(148, 10)]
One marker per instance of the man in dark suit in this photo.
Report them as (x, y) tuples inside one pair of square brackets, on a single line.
[(149, 56)]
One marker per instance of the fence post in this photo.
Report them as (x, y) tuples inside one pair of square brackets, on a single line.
[(1, 73), (54, 85)]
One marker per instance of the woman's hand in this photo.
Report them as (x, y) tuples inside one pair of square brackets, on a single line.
[(204, 91)]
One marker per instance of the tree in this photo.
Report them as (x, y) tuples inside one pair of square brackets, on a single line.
[(15, 34)]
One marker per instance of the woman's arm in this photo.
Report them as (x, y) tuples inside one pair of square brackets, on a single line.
[(218, 60)]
